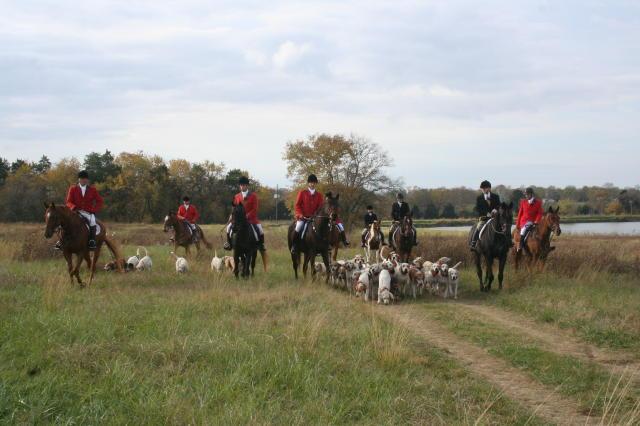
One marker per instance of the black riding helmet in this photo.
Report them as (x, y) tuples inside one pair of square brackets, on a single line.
[(369, 207), (485, 184), (243, 180), (400, 196), (185, 198), (312, 179), (529, 191), (83, 174)]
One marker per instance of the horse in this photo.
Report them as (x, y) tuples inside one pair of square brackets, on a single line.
[(401, 238), (243, 240), (494, 242), (181, 236), (373, 241), (538, 244), (316, 238), (75, 237)]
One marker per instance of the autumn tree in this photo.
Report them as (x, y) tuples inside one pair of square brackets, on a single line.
[(353, 167)]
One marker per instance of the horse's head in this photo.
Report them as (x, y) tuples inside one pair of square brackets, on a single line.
[(170, 221), (553, 219), (504, 217), (332, 205), (407, 225), (52, 219), (375, 226), (238, 215)]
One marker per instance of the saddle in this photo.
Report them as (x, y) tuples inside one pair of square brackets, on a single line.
[(86, 223)]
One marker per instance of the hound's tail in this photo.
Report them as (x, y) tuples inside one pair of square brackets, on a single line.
[(138, 251), (115, 252), (456, 265), (265, 259)]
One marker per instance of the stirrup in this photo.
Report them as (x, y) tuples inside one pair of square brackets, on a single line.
[(92, 245), (226, 246)]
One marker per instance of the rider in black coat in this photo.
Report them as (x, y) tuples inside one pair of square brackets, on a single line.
[(399, 210), (369, 218), (487, 204)]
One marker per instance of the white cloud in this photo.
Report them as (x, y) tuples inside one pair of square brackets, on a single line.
[(288, 53)]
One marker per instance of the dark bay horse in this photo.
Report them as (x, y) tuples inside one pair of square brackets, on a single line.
[(401, 238), (494, 243), (75, 240), (315, 240), (538, 244), (181, 236), (243, 240)]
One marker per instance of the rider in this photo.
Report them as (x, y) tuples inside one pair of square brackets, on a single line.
[(308, 202), (369, 218), (84, 199), (399, 211), (487, 205), (189, 214), (249, 200), (529, 214)]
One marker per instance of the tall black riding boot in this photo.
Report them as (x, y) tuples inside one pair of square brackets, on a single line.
[(343, 237), (92, 237), (261, 246), (474, 239)]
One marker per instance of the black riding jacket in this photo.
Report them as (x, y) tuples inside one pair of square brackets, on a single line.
[(398, 212), (369, 218), (484, 207)]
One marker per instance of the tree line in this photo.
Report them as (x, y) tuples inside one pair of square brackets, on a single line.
[(140, 187)]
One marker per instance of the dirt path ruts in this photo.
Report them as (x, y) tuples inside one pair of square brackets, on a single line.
[(557, 340), (540, 399)]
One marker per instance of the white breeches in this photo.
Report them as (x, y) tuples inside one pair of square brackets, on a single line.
[(340, 227), (89, 216), (525, 228), (299, 225)]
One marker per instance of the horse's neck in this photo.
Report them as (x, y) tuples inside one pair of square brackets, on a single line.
[(544, 229)]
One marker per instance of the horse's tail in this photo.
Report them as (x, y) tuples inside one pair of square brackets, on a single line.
[(115, 252), (204, 240), (265, 259)]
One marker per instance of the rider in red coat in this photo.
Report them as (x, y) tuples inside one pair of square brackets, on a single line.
[(308, 202), (529, 214), (250, 202), (84, 199), (189, 214)]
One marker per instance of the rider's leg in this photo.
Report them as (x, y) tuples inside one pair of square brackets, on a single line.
[(261, 246), (523, 234), (194, 232), (296, 235), (227, 244), (364, 236), (343, 235), (92, 231), (476, 234)]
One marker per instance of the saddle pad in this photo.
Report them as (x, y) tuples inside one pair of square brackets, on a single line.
[(484, 227)]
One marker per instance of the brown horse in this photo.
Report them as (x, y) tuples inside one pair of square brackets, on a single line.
[(75, 240), (315, 240), (181, 236), (401, 238), (373, 241), (538, 244)]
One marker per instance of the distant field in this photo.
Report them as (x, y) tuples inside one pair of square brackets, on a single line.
[(560, 347), (426, 223)]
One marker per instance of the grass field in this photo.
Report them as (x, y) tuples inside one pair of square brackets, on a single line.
[(561, 347)]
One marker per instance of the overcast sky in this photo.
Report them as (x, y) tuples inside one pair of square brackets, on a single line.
[(519, 92)]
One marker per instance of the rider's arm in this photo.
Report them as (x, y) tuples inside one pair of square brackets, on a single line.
[(69, 200)]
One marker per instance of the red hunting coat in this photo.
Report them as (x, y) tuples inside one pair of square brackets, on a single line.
[(191, 214), (306, 204), (529, 212), (250, 206), (91, 202)]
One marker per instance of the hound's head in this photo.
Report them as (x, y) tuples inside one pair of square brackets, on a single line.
[(387, 264), (435, 269), (453, 275), (386, 296), (404, 268), (349, 265), (444, 269)]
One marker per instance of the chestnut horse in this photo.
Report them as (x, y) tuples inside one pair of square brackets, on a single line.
[(315, 240), (373, 241), (75, 240), (401, 238), (181, 236), (538, 244)]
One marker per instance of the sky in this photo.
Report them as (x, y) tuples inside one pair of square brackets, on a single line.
[(520, 93)]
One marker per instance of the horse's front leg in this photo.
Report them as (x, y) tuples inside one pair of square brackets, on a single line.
[(489, 276), (305, 264), (327, 266), (236, 264), (501, 264), (479, 270), (69, 258), (76, 269)]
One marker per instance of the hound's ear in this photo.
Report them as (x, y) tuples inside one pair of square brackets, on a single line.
[(557, 209)]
